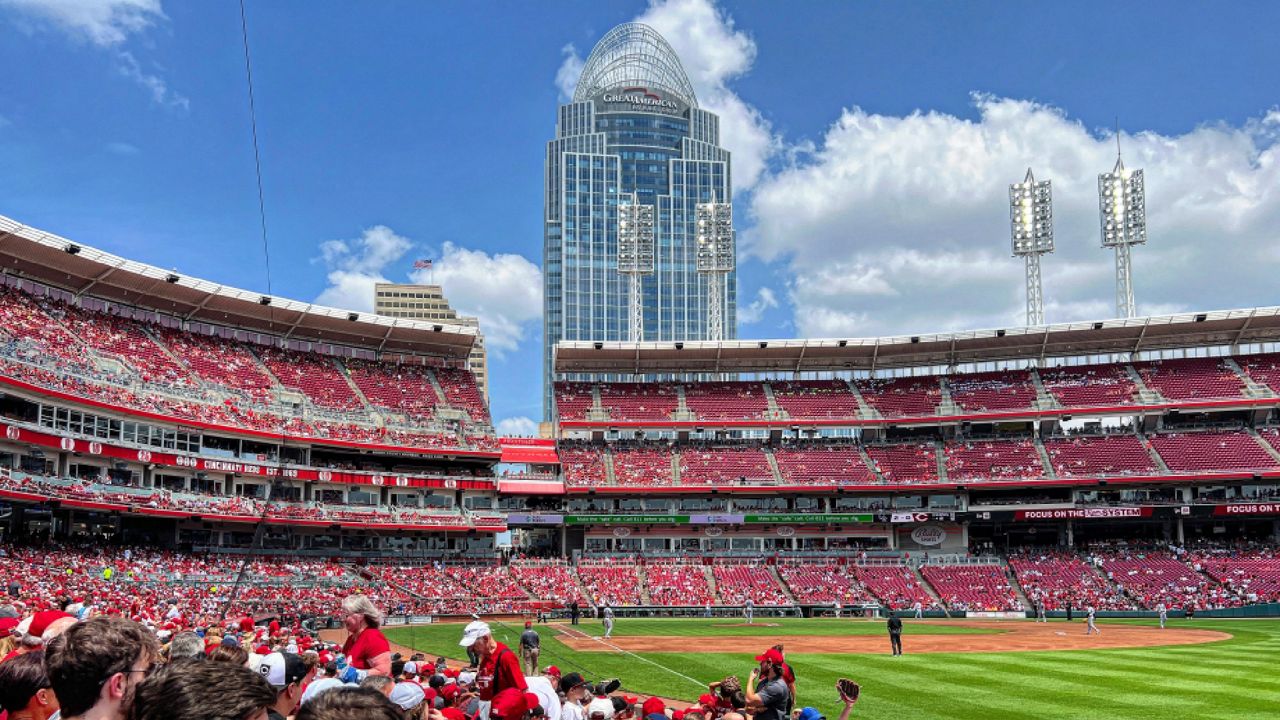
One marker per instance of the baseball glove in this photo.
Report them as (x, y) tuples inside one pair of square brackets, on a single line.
[(730, 685), (848, 689)]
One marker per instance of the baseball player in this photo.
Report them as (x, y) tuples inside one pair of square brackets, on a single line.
[(1040, 615), (1090, 628), (608, 620), (750, 609), (1164, 613), (919, 608)]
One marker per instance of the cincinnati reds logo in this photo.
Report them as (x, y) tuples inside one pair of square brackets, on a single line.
[(402, 482), (326, 476), (451, 484), (68, 444), (12, 432), (144, 456), (377, 479), (95, 448)]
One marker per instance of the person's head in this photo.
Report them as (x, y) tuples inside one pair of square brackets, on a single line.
[(25, 687), (574, 686), (186, 646), (808, 713), (33, 630), (98, 663), (234, 654), (770, 663), (360, 613), (211, 691), (349, 703), (381, 683), (478, 637), (285, 673), (528, 625)]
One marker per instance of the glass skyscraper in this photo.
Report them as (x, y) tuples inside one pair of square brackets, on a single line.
[(633, 133)]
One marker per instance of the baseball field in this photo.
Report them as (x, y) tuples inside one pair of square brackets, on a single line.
[(952, 669)]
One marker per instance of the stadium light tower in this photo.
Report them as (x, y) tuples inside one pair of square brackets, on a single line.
[(715, 258), (1122, 201), (635, 258), (1031, 224)]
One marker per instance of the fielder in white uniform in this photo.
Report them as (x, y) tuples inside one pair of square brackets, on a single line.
[(750, 609), (1164, 614), (1091, 628), (919, 608), (608, 621)]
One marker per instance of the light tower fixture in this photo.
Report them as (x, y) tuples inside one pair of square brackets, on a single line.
[(1031, 227), (715, 258), (635, 258), (1122, 204)]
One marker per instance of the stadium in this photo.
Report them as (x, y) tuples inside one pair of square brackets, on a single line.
[(1066, 520)]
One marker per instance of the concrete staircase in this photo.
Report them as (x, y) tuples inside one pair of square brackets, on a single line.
[(1146, 396), (1017, 587), (1044, 399), (871, 464), (786, 591), (775, 411), (773, 465), (1252, 388), (1151, 450), (1045, 462), (711, 582), (1264, 444), (643, 578), (865, 410), (940, 456), (947, 405), (675, 468), (351, 383), (597, 413), (610, 475), (683, 413), (929, 589)]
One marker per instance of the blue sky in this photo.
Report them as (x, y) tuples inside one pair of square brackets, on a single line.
[(873, 143)]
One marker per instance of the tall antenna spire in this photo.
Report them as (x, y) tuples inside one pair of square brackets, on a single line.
[(1118, 154)]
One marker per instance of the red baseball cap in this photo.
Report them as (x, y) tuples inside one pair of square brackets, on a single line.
[(512, 704), (772, 655), (552, 670), (653, 706), (708, 700), (677, 715), (38, 623)]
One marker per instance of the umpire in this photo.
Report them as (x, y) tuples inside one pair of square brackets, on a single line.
[(530, 647), (895, 632)]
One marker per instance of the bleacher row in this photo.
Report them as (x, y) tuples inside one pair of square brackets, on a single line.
[(1183, 381), (141, 365), (1111, 578), (835, 462)]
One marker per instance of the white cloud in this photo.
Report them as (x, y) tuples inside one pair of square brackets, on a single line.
[(714, 53), (128, 66), (900, 224), (503, 290), (105, 23), (754, 311), (517, 427), (569, 71), (121, 148), (355, 266)]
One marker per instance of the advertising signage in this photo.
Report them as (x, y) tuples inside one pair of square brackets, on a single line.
[(721, 519), (1084, 513), (637, 99), (1248, 509)]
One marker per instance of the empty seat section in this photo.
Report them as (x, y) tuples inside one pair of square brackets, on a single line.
[(639, 401), (1057, 579), (978, 392), (822, 465), (573, 400), (736, 582), (815, 399), (723, 465), (1215, 450), (678, 584), (992, 459), (642, 466), (315, 376), (1192, 379), (1090, 385), (896, 586), (1099, 455), (583, 466), (220, 361), (462, 392), (402, 388), (903, 397), (972, 587), (822, 583), (905, 464), (726, 400)]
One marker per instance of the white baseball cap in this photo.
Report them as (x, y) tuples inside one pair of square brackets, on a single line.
[(475, 630), (602, 707), (411, 668), (407, 695), (280, 669), (319, 686)]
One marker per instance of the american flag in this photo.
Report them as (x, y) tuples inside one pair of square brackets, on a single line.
[(421, 264)]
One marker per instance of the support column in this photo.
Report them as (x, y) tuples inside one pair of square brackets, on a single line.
[(1071, 533), (1182, 538)]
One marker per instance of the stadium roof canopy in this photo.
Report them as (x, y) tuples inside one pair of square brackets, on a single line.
[(1103, 337), (33, 254)]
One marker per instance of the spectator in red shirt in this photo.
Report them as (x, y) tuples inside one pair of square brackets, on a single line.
[(366, 648), (499, 666)]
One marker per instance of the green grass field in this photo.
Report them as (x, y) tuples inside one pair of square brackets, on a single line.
[(1234, 678)]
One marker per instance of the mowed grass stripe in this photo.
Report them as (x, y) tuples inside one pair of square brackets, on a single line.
[(1227, 679)]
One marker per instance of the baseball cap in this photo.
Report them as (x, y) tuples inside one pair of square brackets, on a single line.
[(475, 630), (466, 677), (411, 668), (707, 700), (601, 708), (317, 687), (653, 706), (512, 704), (282, 669), (453, 713), (677, 715), (571, 681), (39, 622), (552, 670), (407, 696), (810, 713), (772, 655)]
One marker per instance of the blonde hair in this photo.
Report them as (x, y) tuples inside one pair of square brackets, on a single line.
[(364, 606)]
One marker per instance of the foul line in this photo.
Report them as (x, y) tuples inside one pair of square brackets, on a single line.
[(571, 629)]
